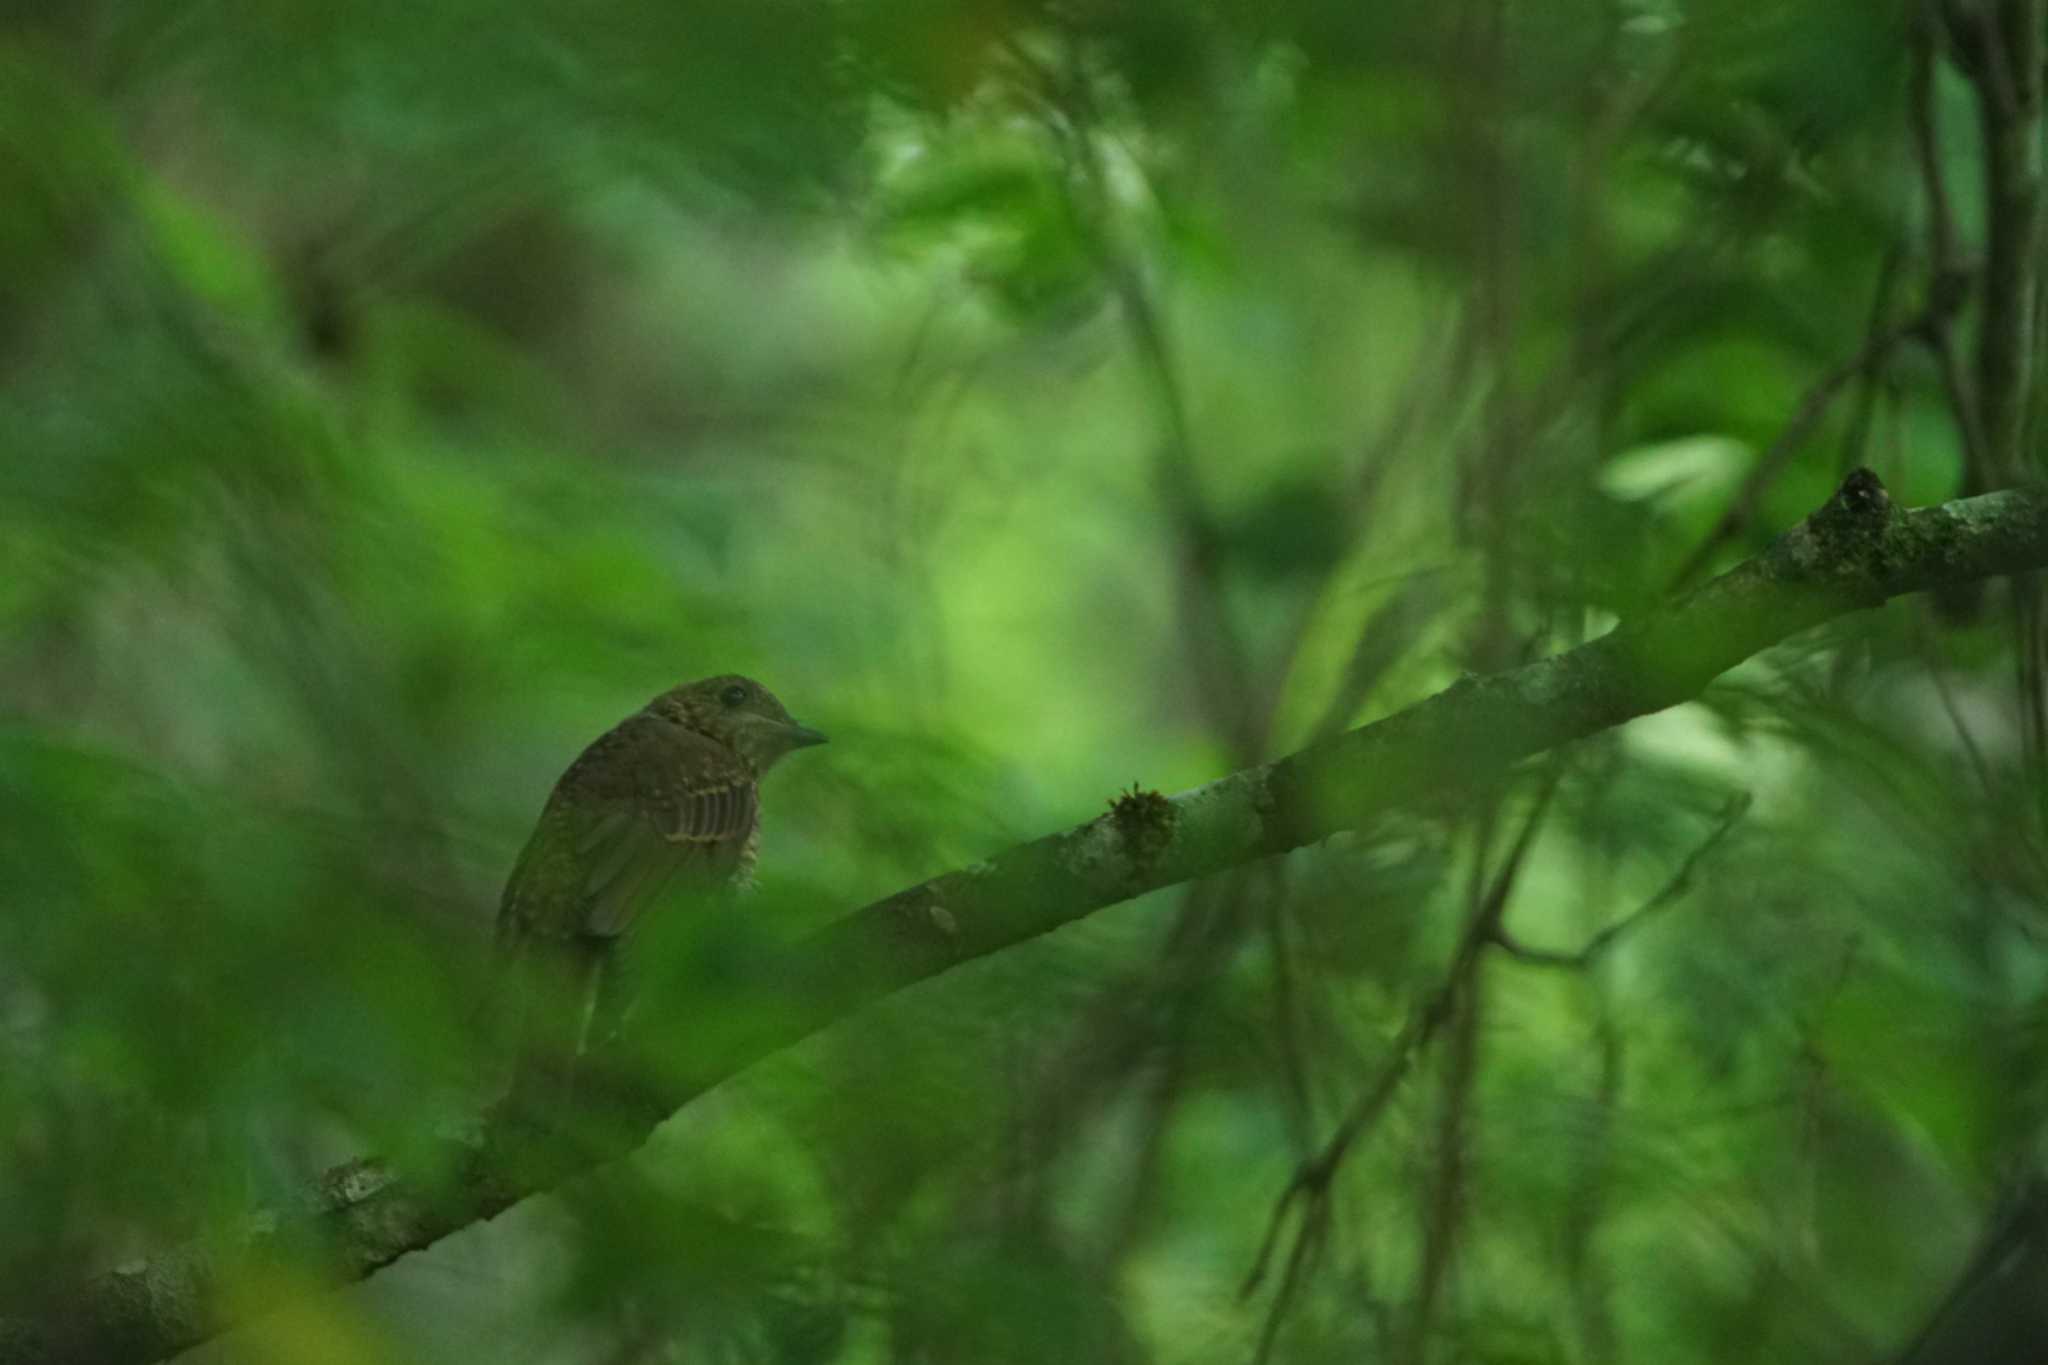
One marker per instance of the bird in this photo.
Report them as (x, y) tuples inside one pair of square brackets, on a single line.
[(664, 806)]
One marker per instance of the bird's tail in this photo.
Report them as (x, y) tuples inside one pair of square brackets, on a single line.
[(548, 991)]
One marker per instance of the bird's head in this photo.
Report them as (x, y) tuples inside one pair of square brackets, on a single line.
[(740, 714)]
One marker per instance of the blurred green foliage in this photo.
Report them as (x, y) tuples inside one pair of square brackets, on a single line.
[(1037, 397)]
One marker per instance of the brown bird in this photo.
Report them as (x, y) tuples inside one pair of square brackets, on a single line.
[(666, 804)]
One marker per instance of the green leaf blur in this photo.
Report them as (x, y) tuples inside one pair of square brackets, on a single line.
[(1039, 398)]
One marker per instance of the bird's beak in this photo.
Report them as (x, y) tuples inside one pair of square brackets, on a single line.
[(802, 736)]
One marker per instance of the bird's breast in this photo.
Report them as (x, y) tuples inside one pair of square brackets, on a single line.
[(750, 852)]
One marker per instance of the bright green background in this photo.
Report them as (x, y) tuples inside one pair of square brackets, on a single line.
[(1038, 398)]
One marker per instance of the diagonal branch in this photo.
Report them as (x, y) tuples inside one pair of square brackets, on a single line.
[(1854, 553)]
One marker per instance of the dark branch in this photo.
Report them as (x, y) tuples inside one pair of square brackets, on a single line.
[(1855, 553), (2006, 70)]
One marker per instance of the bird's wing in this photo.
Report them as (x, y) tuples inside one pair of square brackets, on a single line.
[(648, 805), (645, 804)]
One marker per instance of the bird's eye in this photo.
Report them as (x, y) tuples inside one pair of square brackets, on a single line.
[(733, 694)]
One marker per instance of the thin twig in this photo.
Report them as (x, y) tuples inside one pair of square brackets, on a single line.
[(1953, 275), (1920, 121), (1310, 1186), (1312, 1177), (1213, 642), (1813, 405), (1955, 383), (1946, 294), (1939, 675), (2007, 83), (1315, 1233), (1600, 943), (1868, 385), (1286, 1008)]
